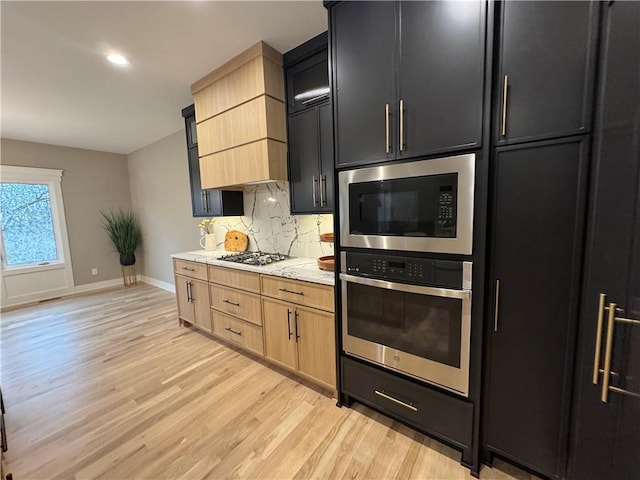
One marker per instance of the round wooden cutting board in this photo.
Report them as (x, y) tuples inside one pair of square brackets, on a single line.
[(235, 241)]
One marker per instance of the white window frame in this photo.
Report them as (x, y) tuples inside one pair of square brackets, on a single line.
[(53, 179)]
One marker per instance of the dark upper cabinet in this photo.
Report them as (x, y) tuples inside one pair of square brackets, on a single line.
[(310, 128), (546, 70), (538, 205), (208, 202), (408, 78)]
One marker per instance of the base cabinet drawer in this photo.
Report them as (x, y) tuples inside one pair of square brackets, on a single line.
[(299, 292), (234, 278), (243, 334), (190, 269), (431, 411), (237, 303)]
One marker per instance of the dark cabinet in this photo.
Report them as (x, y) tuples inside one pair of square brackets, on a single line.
[(310, 128), (311, 160), (206, 202), (544, 87), (408, 78), (606, 419), (538, 203)]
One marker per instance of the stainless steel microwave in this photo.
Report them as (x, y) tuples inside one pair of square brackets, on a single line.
[(420, 206)]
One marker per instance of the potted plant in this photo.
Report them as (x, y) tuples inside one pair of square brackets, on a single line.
[(124, 231)]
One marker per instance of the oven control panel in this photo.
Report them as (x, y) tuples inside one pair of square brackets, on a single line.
[(422, 271)]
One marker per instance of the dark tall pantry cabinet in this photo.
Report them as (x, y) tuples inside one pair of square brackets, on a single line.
[(606, 418), (543, 96)]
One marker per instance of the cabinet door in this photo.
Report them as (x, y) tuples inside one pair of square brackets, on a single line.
[(304, 161), (315, 332), (441, 76), (607, 438), (279, 335), (200, 301), (538, 205), (326, 158), (364, 62), (547, 58), (183, 296)]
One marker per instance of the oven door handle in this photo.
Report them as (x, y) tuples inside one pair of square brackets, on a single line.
[(403, 287)]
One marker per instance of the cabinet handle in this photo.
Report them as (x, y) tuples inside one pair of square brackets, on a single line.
[(295, 321), (323, 186), (395, 400), (504, 105), (495, 313), (596, 357), (206, 201), (229, 329), (231, 303), (401, 125), (386, 128), (608, 351), (290, 291), (313, 190), (202, 206), (189, 269), (189, 297), (289, 323)]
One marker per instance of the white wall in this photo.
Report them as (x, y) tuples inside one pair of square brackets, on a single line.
[(161, 197)]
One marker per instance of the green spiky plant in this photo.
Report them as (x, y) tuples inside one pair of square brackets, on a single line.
[(124, 231)]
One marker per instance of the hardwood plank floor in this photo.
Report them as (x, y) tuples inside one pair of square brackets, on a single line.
[(107, 385)]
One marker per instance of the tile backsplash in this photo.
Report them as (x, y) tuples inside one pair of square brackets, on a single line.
[(271, 227)]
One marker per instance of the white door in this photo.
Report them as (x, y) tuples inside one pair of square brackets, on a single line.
[(36, 264)]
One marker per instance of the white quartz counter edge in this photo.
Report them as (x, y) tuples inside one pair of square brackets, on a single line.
[(305, 269)]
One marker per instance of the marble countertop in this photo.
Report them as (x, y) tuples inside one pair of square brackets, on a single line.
[(305, 269)]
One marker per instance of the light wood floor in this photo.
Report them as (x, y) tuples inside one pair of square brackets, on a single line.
[(109, 386)]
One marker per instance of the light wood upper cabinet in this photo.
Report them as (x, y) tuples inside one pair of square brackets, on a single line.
[(241, 121)]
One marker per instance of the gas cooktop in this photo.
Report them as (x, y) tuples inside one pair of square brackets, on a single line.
[(254, 258)]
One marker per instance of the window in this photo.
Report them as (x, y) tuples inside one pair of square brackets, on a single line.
[(28, 234)]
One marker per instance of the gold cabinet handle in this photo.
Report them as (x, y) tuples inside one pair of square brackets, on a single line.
[(401, 125), (495, 313), (395, 400), (607, 353), (504, 105), (596, 356), (313, 191), (386, 128)]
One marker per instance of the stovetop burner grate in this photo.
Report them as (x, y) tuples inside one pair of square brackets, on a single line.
[(254, 258)]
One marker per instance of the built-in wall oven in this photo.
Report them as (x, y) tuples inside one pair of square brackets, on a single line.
[(421, 206), (409, 314)]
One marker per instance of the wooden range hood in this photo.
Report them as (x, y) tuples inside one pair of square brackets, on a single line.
[(241, 121)]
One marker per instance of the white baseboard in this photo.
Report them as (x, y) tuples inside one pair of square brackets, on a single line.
[(89, 287), (169, 287)]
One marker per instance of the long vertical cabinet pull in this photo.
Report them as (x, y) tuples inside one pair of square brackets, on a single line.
[(495, 313), (323, 186), (206, 201), (401, 108), (598, 347), (204, 209), (295, 321), (607, 353), (504, 105), (313, 191), (386, 128), (189, 297), (289, 323)]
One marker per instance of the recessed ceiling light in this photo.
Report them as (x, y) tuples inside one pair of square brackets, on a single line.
[(118, 59)]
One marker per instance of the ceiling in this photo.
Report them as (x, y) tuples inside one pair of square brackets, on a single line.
[(58, 88)]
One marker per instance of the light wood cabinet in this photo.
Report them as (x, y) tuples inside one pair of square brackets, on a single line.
[(244, 334), (300, 338), (231, 277), (302, 293), (192, 294), (279, 334), (237, 303), (241, 120)]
